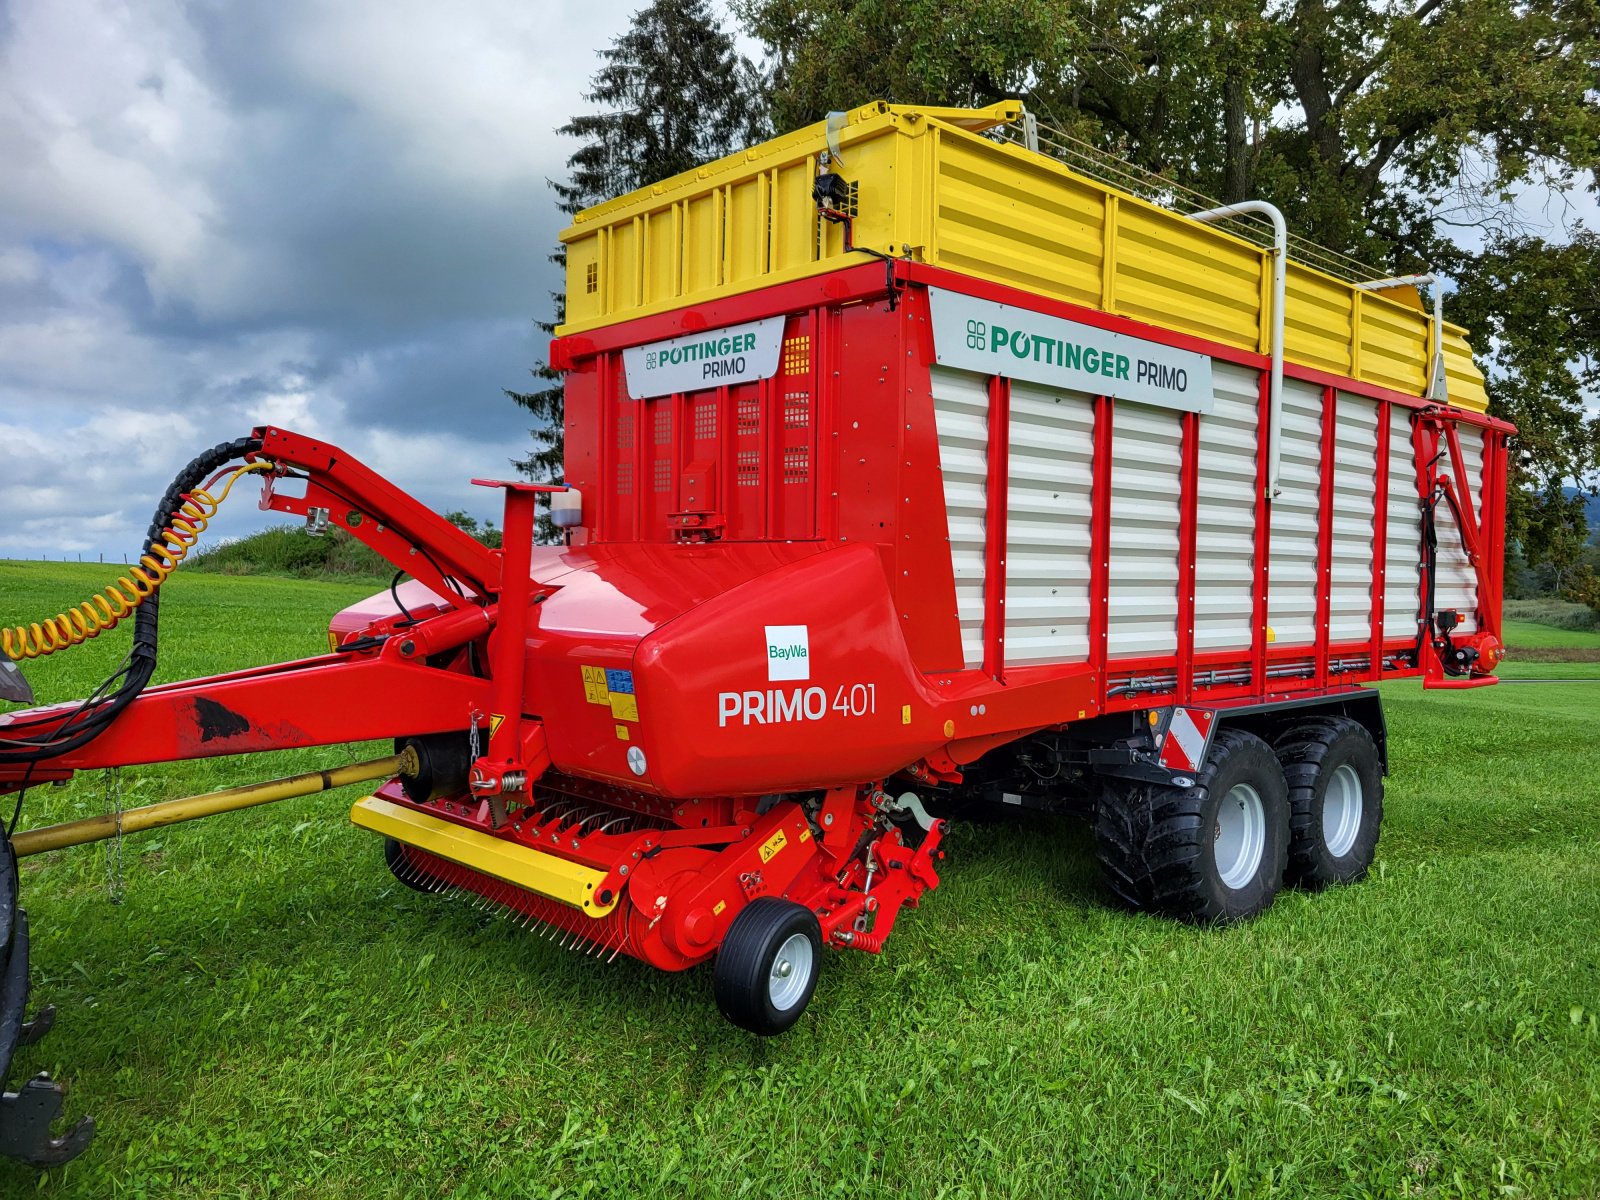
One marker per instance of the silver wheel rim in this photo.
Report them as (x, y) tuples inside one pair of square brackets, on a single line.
[(791, 972), (1342, 804), (1240, 838)]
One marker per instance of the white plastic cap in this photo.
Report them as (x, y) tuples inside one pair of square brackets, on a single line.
[(566, 508)]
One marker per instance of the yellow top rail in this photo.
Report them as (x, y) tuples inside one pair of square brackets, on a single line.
[(929, 185)]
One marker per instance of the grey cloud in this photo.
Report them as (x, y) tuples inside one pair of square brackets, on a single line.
[(328, 216)]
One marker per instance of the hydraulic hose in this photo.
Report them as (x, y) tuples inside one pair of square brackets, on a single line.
[(91, 718), (105, 609)]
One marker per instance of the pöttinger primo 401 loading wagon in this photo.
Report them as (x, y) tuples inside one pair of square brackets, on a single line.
[(907, 469)]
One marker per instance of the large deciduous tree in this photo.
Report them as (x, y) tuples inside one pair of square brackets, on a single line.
[(1391, 132), (672, 93)]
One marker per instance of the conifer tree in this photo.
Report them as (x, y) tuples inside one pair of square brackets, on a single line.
[(673, 92)]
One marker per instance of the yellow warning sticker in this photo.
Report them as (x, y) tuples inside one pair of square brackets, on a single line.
[(333, 642), (716, 909), (805, 835), (770, 847), (624, 706), (622, 733), (594, 685), (495, 721), (905, 714)]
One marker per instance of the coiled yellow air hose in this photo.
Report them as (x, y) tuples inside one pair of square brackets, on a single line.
[(105, 609)]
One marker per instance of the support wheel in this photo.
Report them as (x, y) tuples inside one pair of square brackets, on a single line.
[(1335, 800), (1213, 853), (767, 968), (402, 868)]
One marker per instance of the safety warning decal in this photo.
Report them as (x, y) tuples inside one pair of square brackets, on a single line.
[(1187, 733), (614, 689), (770, 847)]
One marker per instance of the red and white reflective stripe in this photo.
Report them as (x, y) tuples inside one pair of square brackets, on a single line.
[(1185, 746)]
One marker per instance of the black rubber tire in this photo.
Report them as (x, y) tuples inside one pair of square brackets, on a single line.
[(1311, 751), (1156, 844), (394, 857), (746, 959)]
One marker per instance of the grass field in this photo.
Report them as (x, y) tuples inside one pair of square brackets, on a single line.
[(266, 1013), (1549, 637)]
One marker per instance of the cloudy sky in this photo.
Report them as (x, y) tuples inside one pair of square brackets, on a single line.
[(331, 217)]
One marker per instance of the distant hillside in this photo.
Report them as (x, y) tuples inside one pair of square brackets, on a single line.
[(290, 550), (1591, 507)]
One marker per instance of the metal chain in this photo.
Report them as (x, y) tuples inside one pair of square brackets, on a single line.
[(472, 733), (114, 882)]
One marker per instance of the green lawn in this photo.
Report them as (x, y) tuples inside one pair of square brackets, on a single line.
[(1537, 636), (267, 1013)]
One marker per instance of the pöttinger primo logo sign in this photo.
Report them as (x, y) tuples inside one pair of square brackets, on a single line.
[(703, 359), (1020, 344), (788, 652)]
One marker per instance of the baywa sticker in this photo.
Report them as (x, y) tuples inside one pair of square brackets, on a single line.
[(788, 652)]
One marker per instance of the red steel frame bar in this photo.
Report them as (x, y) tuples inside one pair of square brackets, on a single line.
[(314, 702), (1380, 538), (508, 646), (1100, 537), (994, 551), (1188, 537), (1263, 547), (1424, 449), (1494, 487), (1325, 482), (376, 512), (1468, 520)]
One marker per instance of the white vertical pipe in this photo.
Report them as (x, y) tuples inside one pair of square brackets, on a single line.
[(1280, 274)]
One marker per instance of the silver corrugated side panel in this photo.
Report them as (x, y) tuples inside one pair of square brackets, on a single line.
[(1051, 460), (1457, 586), (1355, 473), (1143, 575), (1292, 561), (961, 419), (1226, 511), (1402, 598)]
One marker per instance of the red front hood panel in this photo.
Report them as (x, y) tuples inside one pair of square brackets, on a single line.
[(734, 667)]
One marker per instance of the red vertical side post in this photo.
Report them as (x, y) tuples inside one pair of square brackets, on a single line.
[(1100, 538), (1380, 537), (1263, 546), (509, 646), (1324, 617), (1493, 525), (1424, 451), (994, 562), (1188, 538), (642, 435), (601, 509)]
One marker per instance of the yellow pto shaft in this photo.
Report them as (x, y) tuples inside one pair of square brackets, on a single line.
[(170, 812)]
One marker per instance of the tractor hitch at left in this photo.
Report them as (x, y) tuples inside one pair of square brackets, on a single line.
[(27, 1114)]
